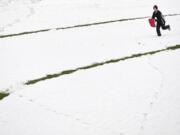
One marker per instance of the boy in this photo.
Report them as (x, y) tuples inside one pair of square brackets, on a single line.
[(157, 15)]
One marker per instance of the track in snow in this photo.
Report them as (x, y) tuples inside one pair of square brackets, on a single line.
[(70, 71), (77, 26)]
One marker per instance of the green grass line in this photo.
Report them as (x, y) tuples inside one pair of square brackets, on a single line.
[(3, 95), (78, 26), (70, 71)]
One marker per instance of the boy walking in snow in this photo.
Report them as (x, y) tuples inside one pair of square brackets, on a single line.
[(157, 15)]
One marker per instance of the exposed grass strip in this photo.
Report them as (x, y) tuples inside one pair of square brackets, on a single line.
[(70, 71), (77, 26), (66, 72), (3, 95)]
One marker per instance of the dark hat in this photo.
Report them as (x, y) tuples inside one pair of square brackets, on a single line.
[(155, 6)]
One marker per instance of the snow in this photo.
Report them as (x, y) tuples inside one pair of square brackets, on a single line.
[(138, 96), (53, 13)]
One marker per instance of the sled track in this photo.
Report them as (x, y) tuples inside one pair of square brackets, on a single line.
[(3, 95), (70, 71), (77, 26)]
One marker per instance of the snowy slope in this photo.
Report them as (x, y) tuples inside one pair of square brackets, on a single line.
[(135, 96), (42, 14), (13, 12), (55, 51)]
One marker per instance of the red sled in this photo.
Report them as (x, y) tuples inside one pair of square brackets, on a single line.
[(152, 22)]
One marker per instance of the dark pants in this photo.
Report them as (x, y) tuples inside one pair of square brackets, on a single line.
[(164, 27)]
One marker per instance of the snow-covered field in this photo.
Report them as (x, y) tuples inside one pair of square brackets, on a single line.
[(138, 95)]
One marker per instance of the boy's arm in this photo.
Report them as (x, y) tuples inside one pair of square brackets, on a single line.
[(153, 16)]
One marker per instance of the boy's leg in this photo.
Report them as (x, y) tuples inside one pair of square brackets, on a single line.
[(158, 29), (164, 27)]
